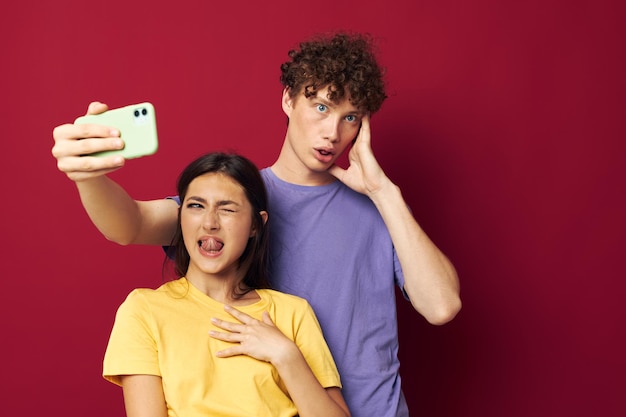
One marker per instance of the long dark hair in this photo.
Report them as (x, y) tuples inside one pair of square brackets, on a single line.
[(255, 257)]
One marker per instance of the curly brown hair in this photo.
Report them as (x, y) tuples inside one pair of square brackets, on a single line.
[(344, 62)]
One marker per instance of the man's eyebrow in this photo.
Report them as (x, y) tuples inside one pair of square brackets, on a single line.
[(325, 101)]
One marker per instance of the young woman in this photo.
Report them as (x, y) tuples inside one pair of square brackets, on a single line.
[(217, 341)]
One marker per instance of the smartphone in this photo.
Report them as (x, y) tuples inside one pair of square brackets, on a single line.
[(137, 126)]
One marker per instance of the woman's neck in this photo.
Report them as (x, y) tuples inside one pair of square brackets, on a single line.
[(225, 291)]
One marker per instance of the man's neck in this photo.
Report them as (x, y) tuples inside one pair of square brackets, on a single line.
[(290, 169), (300, 175)]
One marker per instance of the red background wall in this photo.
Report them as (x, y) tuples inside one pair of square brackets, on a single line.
[(504, 128)]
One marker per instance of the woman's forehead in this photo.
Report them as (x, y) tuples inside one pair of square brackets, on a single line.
[(216, 183)]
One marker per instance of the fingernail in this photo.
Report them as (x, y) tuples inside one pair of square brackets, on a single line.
[(118, 144), (114, 132)]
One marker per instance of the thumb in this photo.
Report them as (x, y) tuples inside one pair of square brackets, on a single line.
[(95, 107)]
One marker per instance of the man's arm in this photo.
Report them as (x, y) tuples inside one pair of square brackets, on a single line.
[(430, 279), (118, 217), (124, 220)]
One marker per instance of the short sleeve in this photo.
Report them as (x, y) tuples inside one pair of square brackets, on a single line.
[(132, 347), (169, 250), (310, 340)]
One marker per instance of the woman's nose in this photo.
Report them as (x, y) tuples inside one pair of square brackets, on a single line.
[(211, 221)]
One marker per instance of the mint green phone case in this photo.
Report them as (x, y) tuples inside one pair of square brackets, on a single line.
[(137, 126)]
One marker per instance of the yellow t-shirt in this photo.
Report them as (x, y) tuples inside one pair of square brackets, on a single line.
[(165, 332)]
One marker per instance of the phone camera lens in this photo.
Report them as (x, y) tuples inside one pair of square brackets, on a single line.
[(144, 111), (136, 113)]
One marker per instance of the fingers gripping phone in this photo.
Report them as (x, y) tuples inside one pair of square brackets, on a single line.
[(137, 126)]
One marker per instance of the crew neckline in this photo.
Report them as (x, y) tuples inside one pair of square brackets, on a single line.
[(258, 305), (335, 183)]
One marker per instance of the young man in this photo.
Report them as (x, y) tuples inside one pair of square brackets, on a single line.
[(341, 238)]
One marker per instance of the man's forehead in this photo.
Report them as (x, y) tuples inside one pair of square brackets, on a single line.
[(323, 95)]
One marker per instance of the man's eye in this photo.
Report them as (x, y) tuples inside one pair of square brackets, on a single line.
[(351, 118), (194, 205), (321, 108)]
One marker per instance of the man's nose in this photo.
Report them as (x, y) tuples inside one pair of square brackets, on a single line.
[(331, 129)]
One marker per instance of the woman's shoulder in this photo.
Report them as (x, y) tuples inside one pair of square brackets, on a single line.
[(166, 289), (288, 311), (283, 298)]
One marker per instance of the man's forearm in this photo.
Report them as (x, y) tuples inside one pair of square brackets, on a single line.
[(430, 278), (111, 209), (122, 219)]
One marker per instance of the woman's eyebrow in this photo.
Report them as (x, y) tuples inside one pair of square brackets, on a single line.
[(203, 200), (196, 198)]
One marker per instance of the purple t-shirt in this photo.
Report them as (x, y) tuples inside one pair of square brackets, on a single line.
[(330, 245)]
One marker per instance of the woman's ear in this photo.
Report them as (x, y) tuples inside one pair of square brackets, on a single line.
[(264, 217)]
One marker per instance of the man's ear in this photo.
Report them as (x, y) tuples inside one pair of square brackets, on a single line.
[(287, 102)]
